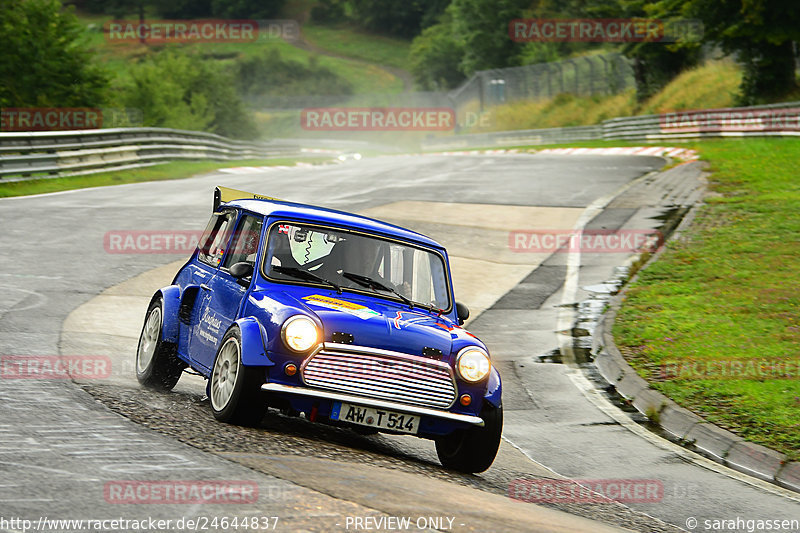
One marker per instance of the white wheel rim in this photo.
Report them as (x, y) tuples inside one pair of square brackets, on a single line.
[(223, 378), (149, 340)]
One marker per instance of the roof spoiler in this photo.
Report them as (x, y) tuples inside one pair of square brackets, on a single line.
[(224, 195)]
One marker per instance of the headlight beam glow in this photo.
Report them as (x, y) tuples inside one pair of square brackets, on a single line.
[(300, 334), (473, 364)]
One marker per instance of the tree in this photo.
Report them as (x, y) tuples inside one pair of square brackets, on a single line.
[(401, 18), (181, 90), (267, 73), (180, 9), (655, 64), (234, 9), (46, 62), (545, 52), (760, 32), (118, 9), (470, 35), (436, 56), (246, 9), (482, 25)]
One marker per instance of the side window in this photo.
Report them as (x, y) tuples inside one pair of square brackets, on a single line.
[(245, 242), (215, 238)]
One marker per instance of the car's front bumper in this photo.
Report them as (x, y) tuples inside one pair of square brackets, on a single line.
[(372, 402)]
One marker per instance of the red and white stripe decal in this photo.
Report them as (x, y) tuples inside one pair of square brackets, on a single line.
[(682, 154)]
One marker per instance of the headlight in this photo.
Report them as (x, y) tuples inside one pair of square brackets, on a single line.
[(473, 364), (300, 333)]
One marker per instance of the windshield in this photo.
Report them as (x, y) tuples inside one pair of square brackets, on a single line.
[(345, 258)]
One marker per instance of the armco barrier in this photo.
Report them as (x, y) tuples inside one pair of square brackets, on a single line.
[(29, 155), (757, 121), (519, 137), (26, 155)]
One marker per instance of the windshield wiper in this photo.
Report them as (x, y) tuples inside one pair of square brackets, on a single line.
[(370, 283), (306, 275), (431, 308)]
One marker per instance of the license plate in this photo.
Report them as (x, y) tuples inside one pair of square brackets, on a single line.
[(377, 418)]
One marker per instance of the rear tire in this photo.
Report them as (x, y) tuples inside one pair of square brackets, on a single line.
[(473, 450), (235, 389), (157, 364)]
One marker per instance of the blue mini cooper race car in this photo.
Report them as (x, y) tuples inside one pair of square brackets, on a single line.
[(346, 319)]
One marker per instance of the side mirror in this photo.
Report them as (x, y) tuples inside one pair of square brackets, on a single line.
[(463, 313), (241, 270)]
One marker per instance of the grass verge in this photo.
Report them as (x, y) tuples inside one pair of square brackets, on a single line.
[(166, 171), (376, 49), (719, 307)]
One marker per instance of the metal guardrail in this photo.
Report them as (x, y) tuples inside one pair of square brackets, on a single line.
[(27, 155), (757, 121), (516, 138)]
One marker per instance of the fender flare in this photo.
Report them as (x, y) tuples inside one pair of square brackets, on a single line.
[(254, 342), (171, 302), (494, 389)]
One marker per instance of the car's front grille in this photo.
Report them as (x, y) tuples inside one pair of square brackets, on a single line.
[(381, 374)]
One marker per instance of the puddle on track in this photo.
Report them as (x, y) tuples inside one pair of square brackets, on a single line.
[(590, 310)]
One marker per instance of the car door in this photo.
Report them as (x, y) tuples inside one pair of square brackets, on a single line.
[(224, 293), (194, 333)]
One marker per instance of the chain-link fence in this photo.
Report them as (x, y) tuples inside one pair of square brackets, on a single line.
[(290, 102), (581, 76)]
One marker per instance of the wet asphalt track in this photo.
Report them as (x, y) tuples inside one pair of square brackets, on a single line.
[(54, 261)]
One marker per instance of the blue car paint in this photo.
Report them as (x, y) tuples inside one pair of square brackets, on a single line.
[(253, 334), (494, 390), (409, 332), (260, 309), (218, 310), (171, 301)]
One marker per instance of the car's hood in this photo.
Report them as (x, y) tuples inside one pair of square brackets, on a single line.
[(376, 322)]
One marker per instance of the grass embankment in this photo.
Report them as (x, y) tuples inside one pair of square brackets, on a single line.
[(166, 171), (117, 56), (710, 86), (377, 49), (728, 291)]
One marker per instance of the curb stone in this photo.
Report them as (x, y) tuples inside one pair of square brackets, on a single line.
[(713, 441), (757, 459), (678, 421), (649, 401), (631, 386), (688, 428), (789, 476)]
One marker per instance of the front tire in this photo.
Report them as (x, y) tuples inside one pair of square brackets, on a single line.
[(473, 450), (157, 363), (235, 389)]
